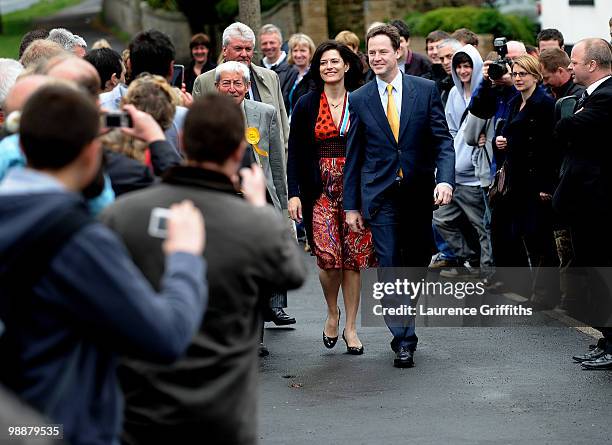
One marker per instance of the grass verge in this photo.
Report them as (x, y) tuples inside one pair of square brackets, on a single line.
[(16, 24)]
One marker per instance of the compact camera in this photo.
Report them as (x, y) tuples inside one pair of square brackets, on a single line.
[(158, 223), (116, 119)]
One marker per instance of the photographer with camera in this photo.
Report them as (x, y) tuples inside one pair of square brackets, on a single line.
[(496, 88)]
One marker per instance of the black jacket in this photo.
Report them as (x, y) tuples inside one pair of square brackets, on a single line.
[(303, 171), (127, 174), (533, 160), (190, 75), (586, 172), (287, 74)]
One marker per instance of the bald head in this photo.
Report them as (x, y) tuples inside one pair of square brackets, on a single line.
[(76, 69), (590, 61), (516, 49), (22, 90)]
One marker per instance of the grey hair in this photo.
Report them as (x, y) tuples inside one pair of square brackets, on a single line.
[(238, 30), (517, 46), (80, 41), (233, 67), (65, 38), (271, 29), (453, 43), (9, 71)]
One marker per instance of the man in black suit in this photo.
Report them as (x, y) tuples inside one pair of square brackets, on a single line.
[(583, 194), (399, 159)]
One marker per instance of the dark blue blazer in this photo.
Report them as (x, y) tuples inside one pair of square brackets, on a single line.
[(425, 150)]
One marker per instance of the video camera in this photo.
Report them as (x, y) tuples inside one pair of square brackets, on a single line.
[(498, 68)]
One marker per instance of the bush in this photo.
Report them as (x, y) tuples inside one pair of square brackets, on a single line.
[(479, 20)]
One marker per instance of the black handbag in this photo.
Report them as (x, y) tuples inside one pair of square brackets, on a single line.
[(501, 184)]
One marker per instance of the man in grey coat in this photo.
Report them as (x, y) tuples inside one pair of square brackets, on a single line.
[(212, 390), (262, 131), (239, 46)]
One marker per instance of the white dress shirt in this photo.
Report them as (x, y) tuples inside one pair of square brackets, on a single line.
[(397, 92)]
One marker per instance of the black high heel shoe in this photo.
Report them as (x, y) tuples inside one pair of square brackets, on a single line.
[(330, 342), (353, 350)]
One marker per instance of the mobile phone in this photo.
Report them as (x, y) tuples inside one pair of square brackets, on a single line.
[(115, 119), (179, 76), (158, 223)]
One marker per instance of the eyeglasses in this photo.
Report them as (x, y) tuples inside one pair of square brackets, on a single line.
[(521, 74), (229, 83)]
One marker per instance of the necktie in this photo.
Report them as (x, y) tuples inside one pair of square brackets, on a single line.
[(580, 102), (393, 119)]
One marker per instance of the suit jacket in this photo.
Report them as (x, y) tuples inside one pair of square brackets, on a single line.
[(585, 182), (263, 117), (269, 89), (303, 170), (373, 158), (213, 388)]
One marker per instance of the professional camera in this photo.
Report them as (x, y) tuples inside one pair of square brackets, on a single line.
[(498, 68)]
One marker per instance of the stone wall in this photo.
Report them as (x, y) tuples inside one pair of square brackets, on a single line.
[(124, 14), (133, 16), (285, 15), (173, 24), (345, 14)]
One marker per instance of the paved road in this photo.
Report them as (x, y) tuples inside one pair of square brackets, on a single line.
[(469, 386), (81, 20)]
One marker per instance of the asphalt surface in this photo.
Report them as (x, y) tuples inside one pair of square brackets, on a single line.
[(82, 19), (469, 385)]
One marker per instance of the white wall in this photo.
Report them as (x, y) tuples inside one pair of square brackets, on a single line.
[(577, 22), (7, 6)]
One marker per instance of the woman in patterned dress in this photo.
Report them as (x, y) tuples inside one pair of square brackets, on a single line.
[(317, 147)]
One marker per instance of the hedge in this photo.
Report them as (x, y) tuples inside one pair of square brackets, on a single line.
[(479, 20)]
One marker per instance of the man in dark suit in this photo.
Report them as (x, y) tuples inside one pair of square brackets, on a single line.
[(583, 194), (397, 139)]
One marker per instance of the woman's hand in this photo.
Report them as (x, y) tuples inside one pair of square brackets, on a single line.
[(501, 142), (295, 209)]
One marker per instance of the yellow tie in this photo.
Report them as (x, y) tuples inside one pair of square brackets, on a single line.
[(393, 119)]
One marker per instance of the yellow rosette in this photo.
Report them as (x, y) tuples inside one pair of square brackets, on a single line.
[(253, 137)]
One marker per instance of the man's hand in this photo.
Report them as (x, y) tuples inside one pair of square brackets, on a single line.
[(144, 127), (485, 69), (354, 220), (443, 194), (254, 185), (545, 196), (295, 209), (186, 230)]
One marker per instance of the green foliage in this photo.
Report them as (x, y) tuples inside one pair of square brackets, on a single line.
[(16, 24), (166, 5), (479, 20)]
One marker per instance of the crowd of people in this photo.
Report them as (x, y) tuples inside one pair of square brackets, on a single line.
[(150, 230)]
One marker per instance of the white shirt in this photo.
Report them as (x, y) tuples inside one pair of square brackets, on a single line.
[(594, 85), (397, 92), (267, 64)]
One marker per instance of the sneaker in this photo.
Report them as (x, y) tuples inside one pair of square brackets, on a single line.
[(439, 262)]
